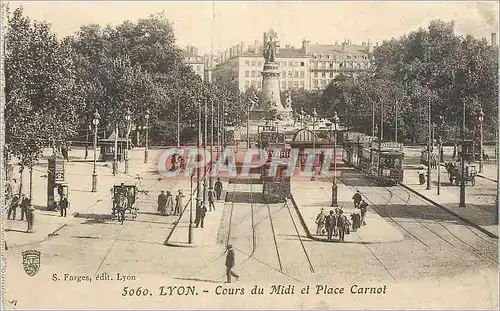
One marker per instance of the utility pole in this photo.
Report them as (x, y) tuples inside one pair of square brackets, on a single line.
[(212, 141), (396, 132), (429, 145), (462, 181), (205, 190), (199, 197)]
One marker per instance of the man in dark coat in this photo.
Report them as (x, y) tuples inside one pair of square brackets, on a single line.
[(357, 199), (63, 205), (230, 262), (341, 224), (330, 223), (218, 188), (162, 202), (201, 211), (13, 207), (25, 203), (197, 214)]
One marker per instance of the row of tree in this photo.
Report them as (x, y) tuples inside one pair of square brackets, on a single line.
[(54, 86), (432, 66)]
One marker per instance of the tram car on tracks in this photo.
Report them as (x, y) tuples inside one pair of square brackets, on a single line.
[(381, 161), (275, 185), (124, 201)]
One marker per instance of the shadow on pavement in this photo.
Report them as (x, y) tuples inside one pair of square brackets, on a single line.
[(199, 280)]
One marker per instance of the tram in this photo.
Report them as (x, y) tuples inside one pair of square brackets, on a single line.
[(381, 161), (275, 185)]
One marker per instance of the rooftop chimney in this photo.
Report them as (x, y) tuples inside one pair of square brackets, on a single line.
[(493, 39), (306, 46)]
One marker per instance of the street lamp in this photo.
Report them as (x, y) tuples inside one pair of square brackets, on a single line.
[(128, 117), (178, 124), (335, 122), (481, 119), (147, 136), (95, 121), (314, 115), (190, 228)]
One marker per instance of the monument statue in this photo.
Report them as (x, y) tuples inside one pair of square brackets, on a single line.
[(270, 45)]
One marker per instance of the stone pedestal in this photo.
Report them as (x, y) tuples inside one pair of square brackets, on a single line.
[(270, 98)]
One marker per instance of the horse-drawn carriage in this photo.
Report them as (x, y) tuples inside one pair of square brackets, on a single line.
[(124, 201), (455, 173)]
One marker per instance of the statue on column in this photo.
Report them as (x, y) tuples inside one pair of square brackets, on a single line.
[(270, 46)]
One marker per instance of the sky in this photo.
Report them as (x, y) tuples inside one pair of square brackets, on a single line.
[(318, 21)]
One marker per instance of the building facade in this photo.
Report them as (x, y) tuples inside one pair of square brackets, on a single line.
[(311, 67), (196, 62)]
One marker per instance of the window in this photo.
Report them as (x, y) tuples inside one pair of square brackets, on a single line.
[(301, 84), (259, 84), (331, 65), (296, 74), (323, 65), (283, 74), (283, 64), (331, 74), (315, 74), (247, 84), (315, 64), (290, 64), (247, 73), (247, 63), (302, 64), (323, 82), (253, 63), (289, 84), (253, 74), (323, 74), (315, 83), (253, 84), (283, 85), (289, 74), (296, 85), (302, 74), (295, 63)]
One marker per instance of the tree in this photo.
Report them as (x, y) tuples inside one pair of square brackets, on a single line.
[(41, 93)]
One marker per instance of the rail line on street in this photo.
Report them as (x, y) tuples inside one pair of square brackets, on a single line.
[(384, 212), (473, 250)]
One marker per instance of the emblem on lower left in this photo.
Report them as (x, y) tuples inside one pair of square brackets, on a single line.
[(31, 262)]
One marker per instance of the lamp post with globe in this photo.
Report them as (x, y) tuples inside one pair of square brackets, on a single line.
[(95, 121)]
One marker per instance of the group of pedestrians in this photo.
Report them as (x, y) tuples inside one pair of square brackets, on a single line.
[(336, 222), (166, 205), (27, 210)]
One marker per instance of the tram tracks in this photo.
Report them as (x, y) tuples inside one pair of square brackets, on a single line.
[(471, 248), (383, 211)]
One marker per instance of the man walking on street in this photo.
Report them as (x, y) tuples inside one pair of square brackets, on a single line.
[(13, 207), (230, 262), (330, 223), (341, 223), (162, 202), (25, 203), (211, 198), (63, 205), (357, 199), (320, 222), (218, 188), (202, 213)]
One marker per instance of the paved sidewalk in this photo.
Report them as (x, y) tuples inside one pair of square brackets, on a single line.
[(311, 196), (479, 199), (201, 237)]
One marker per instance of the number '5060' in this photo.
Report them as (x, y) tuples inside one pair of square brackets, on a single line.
[(135, 291)]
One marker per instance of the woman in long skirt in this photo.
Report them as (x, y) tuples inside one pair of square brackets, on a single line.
[(170, 204)]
